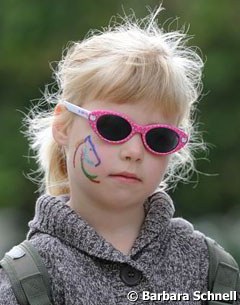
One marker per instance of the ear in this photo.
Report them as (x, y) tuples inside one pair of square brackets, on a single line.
[(60, 131)]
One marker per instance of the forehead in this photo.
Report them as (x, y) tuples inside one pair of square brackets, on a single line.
[(141, 112)]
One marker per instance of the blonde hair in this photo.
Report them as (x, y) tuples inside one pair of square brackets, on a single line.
[(129, 61)]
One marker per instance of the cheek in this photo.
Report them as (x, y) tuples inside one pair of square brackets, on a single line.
[(158, 168), (87, 159), (164, 162)]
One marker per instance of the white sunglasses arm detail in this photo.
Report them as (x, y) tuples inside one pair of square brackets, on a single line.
[(76, 109)]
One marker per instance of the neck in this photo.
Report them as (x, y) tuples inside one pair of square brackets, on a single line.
[(120, 226)]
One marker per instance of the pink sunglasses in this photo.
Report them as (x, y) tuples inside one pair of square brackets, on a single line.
[(117, 128)]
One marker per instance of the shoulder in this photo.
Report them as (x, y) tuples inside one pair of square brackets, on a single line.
[(184, 231), (52, 251), (187, 239), (47, 245), (189, 245)]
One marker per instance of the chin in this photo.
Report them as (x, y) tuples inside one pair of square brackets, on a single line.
[(124, 199)]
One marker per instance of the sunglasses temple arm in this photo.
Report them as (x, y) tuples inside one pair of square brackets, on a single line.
[(76, 109)]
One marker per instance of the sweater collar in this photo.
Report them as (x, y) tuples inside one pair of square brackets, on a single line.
[(54, 217)]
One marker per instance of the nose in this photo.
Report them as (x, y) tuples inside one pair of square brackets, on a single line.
[(133, 149)]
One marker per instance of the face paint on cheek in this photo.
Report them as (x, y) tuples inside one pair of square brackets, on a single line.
[(89, 176), (88, 155), (75, 153)]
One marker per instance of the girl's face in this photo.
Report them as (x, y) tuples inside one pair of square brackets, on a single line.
[(116, 175)]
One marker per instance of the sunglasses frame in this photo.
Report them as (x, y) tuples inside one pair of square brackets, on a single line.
[(94, 115)]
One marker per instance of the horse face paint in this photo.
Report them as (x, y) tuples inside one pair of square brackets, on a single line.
[(88, 155)]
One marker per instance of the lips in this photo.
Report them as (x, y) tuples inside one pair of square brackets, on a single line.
[(127, 175)]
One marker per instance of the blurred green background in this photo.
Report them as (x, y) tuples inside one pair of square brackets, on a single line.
[(33, 35)]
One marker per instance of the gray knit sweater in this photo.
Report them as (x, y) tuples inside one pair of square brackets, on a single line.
[(168, 258)]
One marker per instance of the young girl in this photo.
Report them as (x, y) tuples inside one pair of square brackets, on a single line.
[(120, 134)]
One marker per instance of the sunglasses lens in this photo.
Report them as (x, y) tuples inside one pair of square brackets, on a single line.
[(162, 140), (113, 128)]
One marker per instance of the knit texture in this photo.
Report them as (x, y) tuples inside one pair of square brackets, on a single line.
[(168, 255)]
